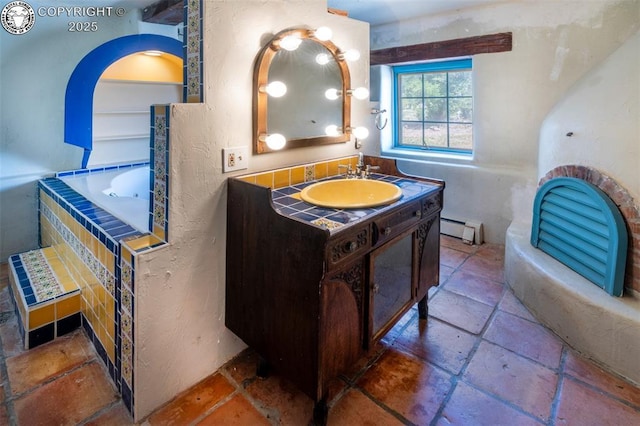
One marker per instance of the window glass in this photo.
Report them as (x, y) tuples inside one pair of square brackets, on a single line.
[(434, 106)]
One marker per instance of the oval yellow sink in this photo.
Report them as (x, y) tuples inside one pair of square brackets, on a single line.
[(351, 193)]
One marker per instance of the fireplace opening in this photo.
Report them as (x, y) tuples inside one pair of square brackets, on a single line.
[(622, 202), (577, 224)]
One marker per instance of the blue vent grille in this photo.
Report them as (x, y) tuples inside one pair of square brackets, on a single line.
[(577, 224)]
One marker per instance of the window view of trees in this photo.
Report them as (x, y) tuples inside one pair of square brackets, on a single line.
[(435, 110)]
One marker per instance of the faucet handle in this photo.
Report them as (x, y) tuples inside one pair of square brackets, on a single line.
[(369, 168), (349, 172)]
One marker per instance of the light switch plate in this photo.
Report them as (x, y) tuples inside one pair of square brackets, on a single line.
[(236, 158)]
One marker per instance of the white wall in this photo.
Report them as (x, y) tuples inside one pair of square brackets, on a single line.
[(180, 290), (555, 43), (34, 70), (603, 112)]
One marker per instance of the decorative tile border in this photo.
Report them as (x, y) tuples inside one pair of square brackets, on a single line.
[(102, 321), (193, 52), (159, 201), (294, 175)]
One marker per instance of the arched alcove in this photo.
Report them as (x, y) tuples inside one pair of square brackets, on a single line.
[(78, 115)]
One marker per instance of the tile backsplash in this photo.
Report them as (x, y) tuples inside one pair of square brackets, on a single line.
[(294, 175)]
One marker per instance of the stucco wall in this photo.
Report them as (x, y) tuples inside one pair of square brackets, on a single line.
[(180, 332), (603, 112), (555, 43)]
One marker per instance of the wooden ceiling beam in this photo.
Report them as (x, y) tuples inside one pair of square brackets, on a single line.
[(168, 12), (443, 49)]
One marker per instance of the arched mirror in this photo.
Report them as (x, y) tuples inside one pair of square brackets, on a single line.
[(303, 66)]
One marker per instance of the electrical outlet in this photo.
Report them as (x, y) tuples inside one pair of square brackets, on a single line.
[(235, 158)]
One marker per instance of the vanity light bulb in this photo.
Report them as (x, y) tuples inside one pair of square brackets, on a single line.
[(332, 130), (361, 132), (332, 94), (360, 93), (290, 42), (322, 58), (323, 33), (275, 141), (277, 89), (351, 55)]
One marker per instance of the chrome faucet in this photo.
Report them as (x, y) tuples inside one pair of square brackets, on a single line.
[(364, 171)]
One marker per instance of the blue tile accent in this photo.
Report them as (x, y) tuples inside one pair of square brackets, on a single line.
[(290, 206)]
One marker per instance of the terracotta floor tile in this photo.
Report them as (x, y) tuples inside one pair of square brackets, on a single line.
[(488, 267), (47, 361), (513, 378), (460, 311), (237, 411), (6, 302), (67, 400), (364, 361), (452, 258), (4, 415), (491, 251), (580, 405), (526, 338), (407, 385), (392, 335), (445, 273), (12, 343), (243, 366), (354, 408), (511, 304), (457, 244), (589, 372), (283, 401), (475, 287), (116, 415), (469, 406), (193, 403), (437, 342)]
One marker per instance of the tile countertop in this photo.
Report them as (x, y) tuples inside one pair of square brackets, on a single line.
[(287, 202)]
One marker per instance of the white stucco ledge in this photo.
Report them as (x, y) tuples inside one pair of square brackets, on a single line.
[(601, 327)]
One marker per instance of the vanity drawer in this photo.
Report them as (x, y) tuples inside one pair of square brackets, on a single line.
[(394, 223), (348, 246), (432, 205)]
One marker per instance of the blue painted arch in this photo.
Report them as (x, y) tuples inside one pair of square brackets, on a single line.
[(78, 102)]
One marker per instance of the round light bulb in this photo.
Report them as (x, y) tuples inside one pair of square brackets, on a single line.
[(360, 93), (361, 132), (351, 55), (276, 141), (277, 89), (323, 33), (322, 58), (332, 130), (290, 42), (332, 94)]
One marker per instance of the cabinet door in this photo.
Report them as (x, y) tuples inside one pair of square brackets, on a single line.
[(391, 284)]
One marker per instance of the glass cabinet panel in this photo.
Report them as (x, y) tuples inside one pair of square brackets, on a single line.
[(392, 282)]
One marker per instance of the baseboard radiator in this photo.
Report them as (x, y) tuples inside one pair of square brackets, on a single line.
[(469, 231)]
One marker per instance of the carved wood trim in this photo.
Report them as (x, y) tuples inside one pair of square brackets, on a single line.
[(493, 43), (344, 248), (422, 233), (354, 279)]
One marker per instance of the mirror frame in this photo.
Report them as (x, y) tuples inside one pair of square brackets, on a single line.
[(260, 99)]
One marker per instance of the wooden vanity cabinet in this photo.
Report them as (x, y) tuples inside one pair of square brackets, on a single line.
[(310, 301)]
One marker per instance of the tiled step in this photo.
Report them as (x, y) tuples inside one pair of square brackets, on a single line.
[(46, 297)]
